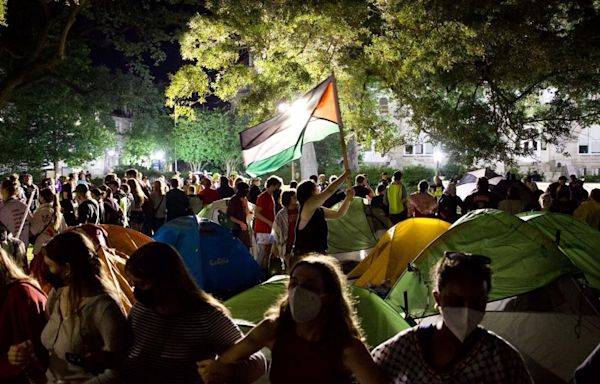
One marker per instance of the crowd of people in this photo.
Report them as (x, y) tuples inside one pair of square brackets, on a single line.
[(177, 333)]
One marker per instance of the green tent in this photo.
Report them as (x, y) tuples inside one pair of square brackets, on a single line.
[(378, 320), (352, 232), (523, 259), (577, 240)]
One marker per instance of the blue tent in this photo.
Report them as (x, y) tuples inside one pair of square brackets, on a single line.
[(219, 262)]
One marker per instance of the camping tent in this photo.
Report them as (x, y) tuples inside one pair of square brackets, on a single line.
[(577, 240), (217, 212), (352, 232), (523, 259), (125, 240), (395, 249), (219, 262), (471, 177), (378, 319)]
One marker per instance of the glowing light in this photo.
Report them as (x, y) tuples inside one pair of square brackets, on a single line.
[(282, 107), (158, 155), (438, 156), (111, 152)]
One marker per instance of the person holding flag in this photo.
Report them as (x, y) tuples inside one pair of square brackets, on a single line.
[(311, 229), (269, 145)]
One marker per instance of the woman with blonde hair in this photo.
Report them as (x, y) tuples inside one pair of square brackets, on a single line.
[(86, 330), (313, 333), (23, 358)]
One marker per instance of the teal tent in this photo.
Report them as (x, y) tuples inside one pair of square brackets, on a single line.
[(575, 238), (523, 259), (378, 320)]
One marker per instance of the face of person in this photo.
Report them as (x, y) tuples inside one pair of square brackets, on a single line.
[(293, 202), (61, 271), (463, 291), (308, 278)]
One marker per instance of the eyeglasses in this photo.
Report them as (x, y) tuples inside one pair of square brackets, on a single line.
[(480, 259)]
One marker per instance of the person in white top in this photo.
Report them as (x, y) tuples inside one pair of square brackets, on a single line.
[(13, 211), (47, 220)]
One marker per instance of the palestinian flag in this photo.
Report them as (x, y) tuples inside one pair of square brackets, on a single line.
[(269, 145)]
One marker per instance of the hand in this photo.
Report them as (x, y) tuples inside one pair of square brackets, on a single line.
[(21, 354), (244, 227), (214, 372), (350, 193)]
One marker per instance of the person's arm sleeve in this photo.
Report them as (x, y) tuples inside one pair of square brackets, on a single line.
[(112, 327), (383, 358), (224, 333), (517, 370), (29, 315)]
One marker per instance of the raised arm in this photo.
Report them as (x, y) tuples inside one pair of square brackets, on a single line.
[(318, 200), (331, 214)]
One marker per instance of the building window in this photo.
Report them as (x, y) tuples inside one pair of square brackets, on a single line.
[(408, 149), (428, 149), (589, 140), (384, 106), (418, 149)]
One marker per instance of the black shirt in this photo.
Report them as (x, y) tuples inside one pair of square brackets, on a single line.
[(361, 191), (313, 237), (88, 212), (177, 204)]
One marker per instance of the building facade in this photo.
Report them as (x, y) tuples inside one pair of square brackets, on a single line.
[(578, 155)]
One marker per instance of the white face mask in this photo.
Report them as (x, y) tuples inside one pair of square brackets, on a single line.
[(461, 320), (305, 305)]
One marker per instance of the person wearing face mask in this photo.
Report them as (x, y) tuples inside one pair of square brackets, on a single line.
[(313, 333), (456, 349), (86, 330), (174, 323)]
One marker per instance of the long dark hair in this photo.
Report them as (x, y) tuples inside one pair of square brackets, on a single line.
[(342, 322), (86, 269), (305, 191), (161, 264)]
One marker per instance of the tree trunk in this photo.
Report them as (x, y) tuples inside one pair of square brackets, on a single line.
[(55, 163), (308, 161), (352, 148)]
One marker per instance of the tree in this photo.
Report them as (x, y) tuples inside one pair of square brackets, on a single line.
[(470, 74), (274, 52), (210, 137), (54, 124), (41, 34)]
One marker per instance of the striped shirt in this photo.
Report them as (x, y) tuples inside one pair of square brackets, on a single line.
[(166, 348)]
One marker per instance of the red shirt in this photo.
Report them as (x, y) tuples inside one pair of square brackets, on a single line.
[(267, 204), (22, 317), (208, 195)]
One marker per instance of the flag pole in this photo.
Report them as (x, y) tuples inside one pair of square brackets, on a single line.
[(341, 125)]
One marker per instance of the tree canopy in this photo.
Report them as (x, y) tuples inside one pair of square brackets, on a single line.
[(211, 137), (478, 76)]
